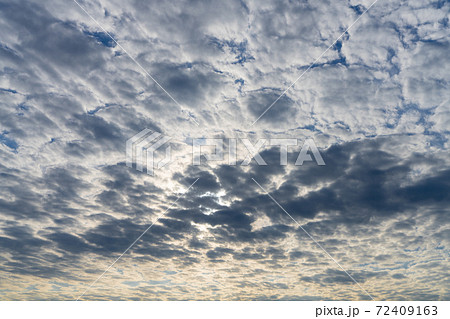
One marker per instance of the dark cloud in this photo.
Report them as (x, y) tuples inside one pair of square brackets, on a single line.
[(365, 180), (336, 277), (49, 40), (258, 102)]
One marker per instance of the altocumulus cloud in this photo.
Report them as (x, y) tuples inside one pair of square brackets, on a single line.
[(376, 104)]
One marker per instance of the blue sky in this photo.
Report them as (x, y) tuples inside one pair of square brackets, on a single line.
[(376, 104)]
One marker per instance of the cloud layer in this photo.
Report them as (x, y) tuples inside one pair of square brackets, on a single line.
[(376, 104)]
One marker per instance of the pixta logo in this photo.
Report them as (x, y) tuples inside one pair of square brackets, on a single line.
[(252, 150), (141, 149)]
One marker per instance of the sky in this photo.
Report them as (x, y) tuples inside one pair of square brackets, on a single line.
[(78, 79)]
